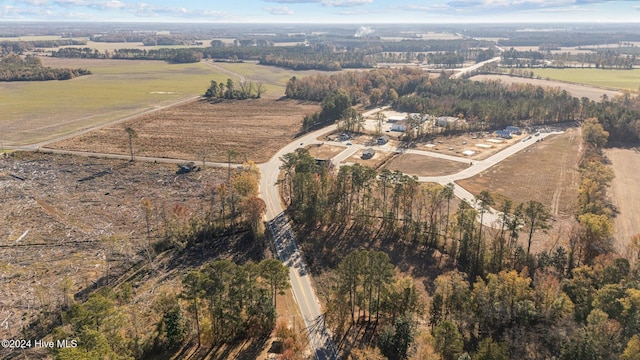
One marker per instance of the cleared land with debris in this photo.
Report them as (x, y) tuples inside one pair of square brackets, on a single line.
[(64, 216)]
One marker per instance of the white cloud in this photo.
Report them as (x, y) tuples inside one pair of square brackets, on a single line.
[(279, 10), (345, 3), (34, 2)]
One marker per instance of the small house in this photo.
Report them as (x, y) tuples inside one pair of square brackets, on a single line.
[(503, 134), (382, 140), (400, 126), (344, 136), (368, 154)]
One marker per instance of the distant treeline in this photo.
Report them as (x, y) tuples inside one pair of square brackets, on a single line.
[(147, 37), (14, 68), (565, 38), (485, 105), (609, 58), (320, 56), (19, 47), (170, 55)]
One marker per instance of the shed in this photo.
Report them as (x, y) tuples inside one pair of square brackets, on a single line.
[(383, 140), (368, 154)]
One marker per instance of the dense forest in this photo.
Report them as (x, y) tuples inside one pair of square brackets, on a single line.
[(485, 105), (15, 68), (493, 298)]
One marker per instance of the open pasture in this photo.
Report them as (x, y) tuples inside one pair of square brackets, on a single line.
[(575, 89), (254, 128), (38, 111), (33, 112), (611, 79)]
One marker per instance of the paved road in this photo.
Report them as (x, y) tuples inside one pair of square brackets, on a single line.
[(287, 250), (461, 72)]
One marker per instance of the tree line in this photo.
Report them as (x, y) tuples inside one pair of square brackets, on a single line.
[(239, 300), (15, 68), (484, 105), (178, 56), (231, 90), (367, 294), (20, 47)]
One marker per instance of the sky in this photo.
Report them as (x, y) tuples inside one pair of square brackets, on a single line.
[(323, 11)]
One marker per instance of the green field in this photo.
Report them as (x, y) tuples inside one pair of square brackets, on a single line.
[(611, 79), (32, 112), (36, 111)]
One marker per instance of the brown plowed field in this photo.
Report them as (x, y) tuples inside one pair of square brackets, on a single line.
[(624, 194), (255, 129)]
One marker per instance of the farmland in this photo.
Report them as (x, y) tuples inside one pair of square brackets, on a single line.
[(116, 90), (37, 111), (608, 79), (575, 89), (255, 129), (551, 165), (625, 163)]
